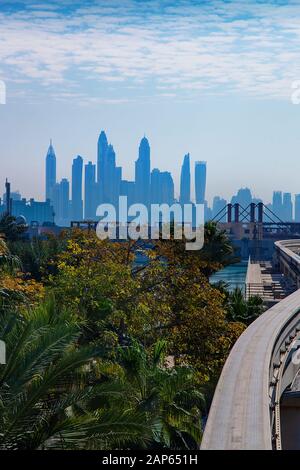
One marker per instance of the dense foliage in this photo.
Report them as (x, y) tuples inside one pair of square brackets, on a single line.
[(107, 351)]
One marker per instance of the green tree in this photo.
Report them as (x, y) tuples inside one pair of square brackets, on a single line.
[(217, 250), (167, 393), (10, 228), (46, 389), (38, 255)]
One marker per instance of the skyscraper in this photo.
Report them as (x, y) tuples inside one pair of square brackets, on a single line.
[(297, 208), (218, 205), (61, 202), (142, 173), (90, 204), (167, 187), (127, 188), (56, 203), (155, 186), (109, 175), (101, 158), (200, 182), (117, 185), (185, 181), (77, 203), (287, 207), (243, 197), (278, 204), (162, 187), (50, 171), (64, 201), (101, 168)]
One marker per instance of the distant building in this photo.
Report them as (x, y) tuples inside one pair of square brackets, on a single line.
[(65, 201), (109, 175), (297, 208), (218, 205), (127, 188), (50, 172), (14, 195), (185, 181), (243, 197), (207, 212), (162, 187), (61, 201), (142, 173), (200, 182), (287, 207), (167, 188), (101, 157), (277, 204), (33, 211), (77, 202), (90, 192)]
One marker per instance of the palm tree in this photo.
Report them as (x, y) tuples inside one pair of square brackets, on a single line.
[(46, 389), (10, 228), (242, 310), (38, 255), (168, 393), (9, 265), (217, 250)]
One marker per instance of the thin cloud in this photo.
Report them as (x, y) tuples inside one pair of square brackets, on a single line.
[(185, 46)]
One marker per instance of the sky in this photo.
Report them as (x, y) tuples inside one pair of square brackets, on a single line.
[(212, 78)]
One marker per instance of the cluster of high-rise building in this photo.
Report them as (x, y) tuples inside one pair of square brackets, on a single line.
[(102, 183), (282, 205)]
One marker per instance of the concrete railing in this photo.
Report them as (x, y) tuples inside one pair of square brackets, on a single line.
[(288, 259)]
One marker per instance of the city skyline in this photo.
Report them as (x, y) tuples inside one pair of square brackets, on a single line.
[(102, 182), (94, 183), (210, 199)]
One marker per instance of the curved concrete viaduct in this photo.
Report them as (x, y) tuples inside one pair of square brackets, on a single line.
[(287, 257), (247, 409)]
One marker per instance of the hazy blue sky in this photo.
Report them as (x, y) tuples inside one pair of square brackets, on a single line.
[(212, 78)]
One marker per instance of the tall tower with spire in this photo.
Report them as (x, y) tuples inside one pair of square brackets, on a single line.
[(101, 158), (185, 181), (50, 171), (102, 150), (142, 173)]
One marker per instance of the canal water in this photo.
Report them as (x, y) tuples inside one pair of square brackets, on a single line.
[(234, 275)]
